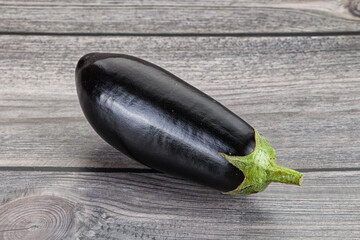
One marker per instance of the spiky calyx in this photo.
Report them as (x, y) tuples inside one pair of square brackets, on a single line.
[(260, 169)]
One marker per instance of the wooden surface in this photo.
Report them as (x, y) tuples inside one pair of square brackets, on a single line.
[(171, 17), (307, 88), (289, 68), (154, 206)]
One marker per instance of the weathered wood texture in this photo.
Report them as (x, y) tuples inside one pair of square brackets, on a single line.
[(152, 206), (158, 16), (303, 93)]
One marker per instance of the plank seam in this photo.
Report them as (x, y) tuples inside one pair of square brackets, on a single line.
[(184, 34), (140, 170), (78, 169)]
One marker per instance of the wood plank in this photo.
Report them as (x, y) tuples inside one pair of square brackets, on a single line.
[(41, 205), (302, 92), (272, 16)]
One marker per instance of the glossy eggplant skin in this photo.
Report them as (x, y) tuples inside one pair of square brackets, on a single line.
[(161, 121)]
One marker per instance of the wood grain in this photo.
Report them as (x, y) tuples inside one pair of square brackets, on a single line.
[(303, 93), (176, 17), (154, 206), (38, 217)]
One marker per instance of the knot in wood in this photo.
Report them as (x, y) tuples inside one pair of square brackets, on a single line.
[(354, 7), (38, 217)]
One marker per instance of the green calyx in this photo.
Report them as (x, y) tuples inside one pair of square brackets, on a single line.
[(260, 169)]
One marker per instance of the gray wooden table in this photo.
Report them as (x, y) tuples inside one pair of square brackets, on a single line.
[(289, 68)]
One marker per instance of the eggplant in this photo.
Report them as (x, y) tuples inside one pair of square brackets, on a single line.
[(156, 118)]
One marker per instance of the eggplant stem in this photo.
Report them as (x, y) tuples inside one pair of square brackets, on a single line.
[(260, 169), (284, 175)]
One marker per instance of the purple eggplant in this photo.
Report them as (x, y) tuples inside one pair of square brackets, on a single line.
[(156, 118)]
